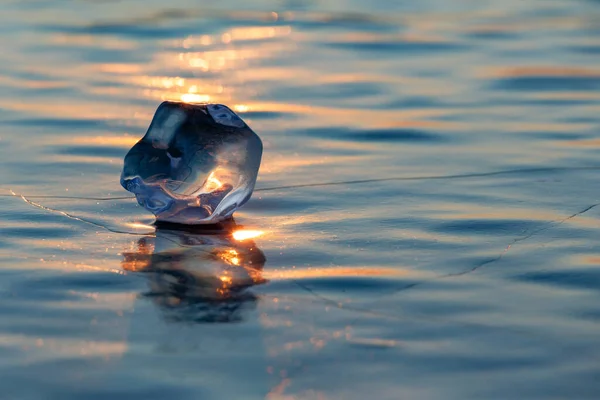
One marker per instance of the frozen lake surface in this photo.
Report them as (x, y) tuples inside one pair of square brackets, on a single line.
[(428, 201)]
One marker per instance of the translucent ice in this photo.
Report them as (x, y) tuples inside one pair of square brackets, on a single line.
[(197, 164)]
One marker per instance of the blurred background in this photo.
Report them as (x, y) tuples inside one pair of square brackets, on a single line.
[(423, 226)]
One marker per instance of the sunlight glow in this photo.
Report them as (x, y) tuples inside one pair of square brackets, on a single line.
[(139, 225), (230, 256), (243, 234), (212, 183), (195, 98), (241, 108)]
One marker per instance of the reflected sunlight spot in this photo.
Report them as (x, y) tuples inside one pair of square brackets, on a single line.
[(68, 348), (194, 98), (198, 63), (139, 225), (242, 234), (168, 83), (120, 68), (241, 108), (159, 81), (256, 33), (301, 273), (95, 141), (191, 41), (212, 183), (230, 256)]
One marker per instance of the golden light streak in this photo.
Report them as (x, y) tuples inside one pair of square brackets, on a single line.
[(115, 141), (302, 273), (195, 98), (230, 257), (242, 234), (139, 225), (212, 183), (256, 33), (241, 108)]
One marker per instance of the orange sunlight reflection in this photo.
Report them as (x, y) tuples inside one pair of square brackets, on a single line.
[(212, 183), (205, 53), (303, 273), (114, 141), (195, 98), (242, 234), (139, 258), (241, 108), (139, 225), (230, 256)]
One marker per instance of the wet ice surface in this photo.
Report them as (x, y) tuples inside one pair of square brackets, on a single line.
[(197, 164), (453, 255)]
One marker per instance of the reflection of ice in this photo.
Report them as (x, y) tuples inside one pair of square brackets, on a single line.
[(200, 276)]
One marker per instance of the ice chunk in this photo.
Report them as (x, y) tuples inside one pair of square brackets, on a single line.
[(197, 164)]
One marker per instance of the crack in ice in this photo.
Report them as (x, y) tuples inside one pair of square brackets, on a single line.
[(71, 216), (353, 182)]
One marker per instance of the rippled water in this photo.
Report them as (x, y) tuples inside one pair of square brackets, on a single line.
[(428, 202)]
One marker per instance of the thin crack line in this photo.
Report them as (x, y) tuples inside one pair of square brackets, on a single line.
[(431, 177), (73, 217), (319, 296), (464, 272), (507, 248), (353, 182), (69, 197), (408, 286), (499, 257)]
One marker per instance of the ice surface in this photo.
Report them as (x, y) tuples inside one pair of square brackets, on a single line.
[(197, 164)]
